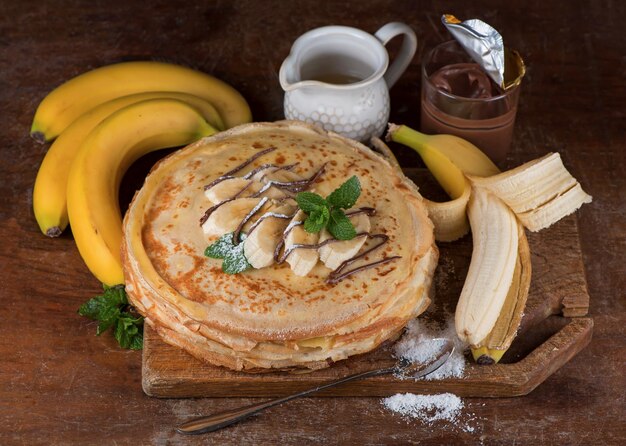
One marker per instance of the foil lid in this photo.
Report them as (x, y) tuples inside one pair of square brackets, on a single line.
[(482, 43)]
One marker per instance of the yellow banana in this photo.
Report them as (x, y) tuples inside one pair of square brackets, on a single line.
[(82, 93), (536, 194), (449, 159), (450, 217), (49, 193), (451, 223), (447, 174), (95, 174)]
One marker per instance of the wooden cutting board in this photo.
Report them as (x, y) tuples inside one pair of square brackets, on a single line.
[(552, 332)]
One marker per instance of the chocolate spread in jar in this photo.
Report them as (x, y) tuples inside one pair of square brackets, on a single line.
[(462, 100)]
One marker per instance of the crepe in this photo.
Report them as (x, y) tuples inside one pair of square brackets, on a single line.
[(271, 318)]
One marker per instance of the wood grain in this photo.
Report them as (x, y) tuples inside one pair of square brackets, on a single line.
[(170, 372), (61, 385)]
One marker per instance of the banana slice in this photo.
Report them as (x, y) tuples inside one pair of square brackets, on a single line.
[(259, 183), (265, 234), (284, 176), (276, 175), (301, 260), (334, 254), (227, 189), (227, 217)]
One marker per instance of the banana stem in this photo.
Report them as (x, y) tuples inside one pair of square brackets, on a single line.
[(407, 136)]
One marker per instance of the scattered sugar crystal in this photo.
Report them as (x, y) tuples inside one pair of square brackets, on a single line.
[(431, 409), (427, 408), (418, 344)]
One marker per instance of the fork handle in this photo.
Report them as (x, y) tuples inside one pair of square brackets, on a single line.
[(222, 419)]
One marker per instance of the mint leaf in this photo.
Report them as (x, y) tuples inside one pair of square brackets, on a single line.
[(127, 331), (340, 225), (107, 317), (310, 202), (327, 213), (116, 294), (317, 220), (92, 307), (234, 258), (137, 342), (220, 248), (100, 307), (109, 310), (346, 195), (235, 261)]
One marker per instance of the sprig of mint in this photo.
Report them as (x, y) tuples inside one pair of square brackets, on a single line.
[(328, 213), (110, 309), (234, 258)]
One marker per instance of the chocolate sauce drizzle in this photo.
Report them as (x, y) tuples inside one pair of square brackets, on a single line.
[(289, 186), (293, 187), (364, 210), (247, 218), (267, 167), (269, 215), (338, 275), (280, 258), (230, 173)]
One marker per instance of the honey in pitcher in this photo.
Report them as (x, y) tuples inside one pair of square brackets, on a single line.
[(336, 69), (337, 78)]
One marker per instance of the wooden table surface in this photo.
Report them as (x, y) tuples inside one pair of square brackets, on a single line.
[(59, 384)]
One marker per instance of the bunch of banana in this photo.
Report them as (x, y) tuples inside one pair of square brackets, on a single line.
[(78, 95), (105, 119), (499, 205), (95, 175), (49, 193)]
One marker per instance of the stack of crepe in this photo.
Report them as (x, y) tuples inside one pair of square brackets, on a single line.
[(281, 315)]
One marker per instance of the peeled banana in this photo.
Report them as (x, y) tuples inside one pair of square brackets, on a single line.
[(95, 174), (227, 189), (82, 93), (49, 193), (490, 274)]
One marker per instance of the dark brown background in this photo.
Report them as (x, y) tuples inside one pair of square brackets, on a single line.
[(60, 384)]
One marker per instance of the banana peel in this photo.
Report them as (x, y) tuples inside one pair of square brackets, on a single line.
[(450, 217), (491, 349), (548, 193), (540, 192)]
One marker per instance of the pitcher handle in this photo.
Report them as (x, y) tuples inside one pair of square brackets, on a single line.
[(407, 51)]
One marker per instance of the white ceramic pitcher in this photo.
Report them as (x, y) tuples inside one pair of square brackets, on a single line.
[(339, 78)]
